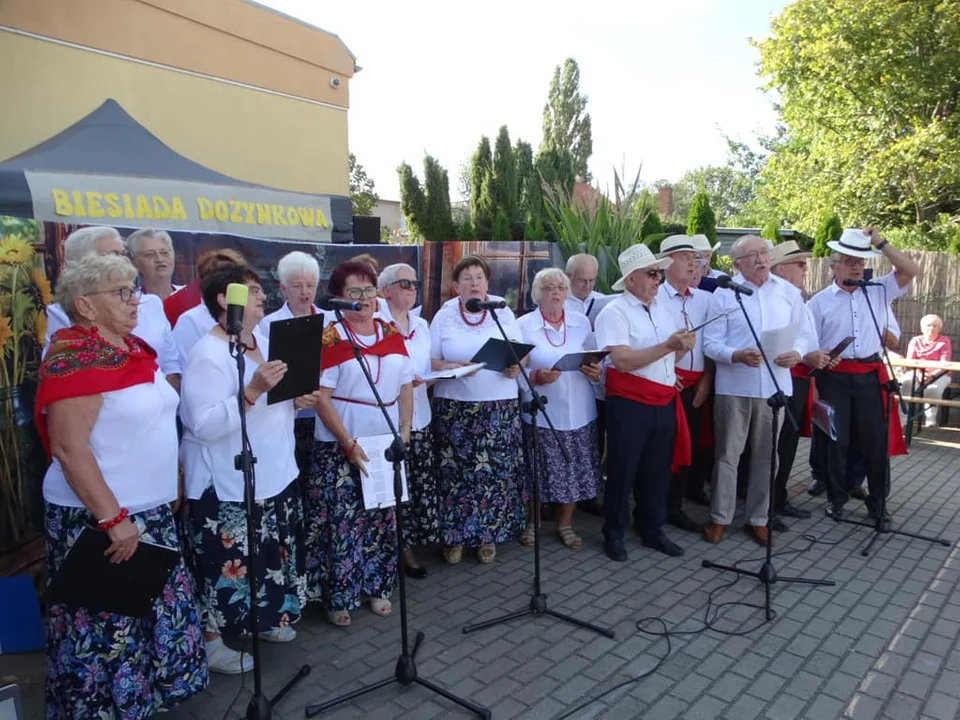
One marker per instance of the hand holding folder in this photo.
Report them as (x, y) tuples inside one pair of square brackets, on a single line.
[(496, 355)]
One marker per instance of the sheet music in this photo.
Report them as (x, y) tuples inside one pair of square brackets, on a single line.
[(777, 342), (452, 374), (378, 484)]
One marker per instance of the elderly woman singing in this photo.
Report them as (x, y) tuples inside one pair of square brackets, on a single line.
[(351, 549), (108, 417), (570, 403)]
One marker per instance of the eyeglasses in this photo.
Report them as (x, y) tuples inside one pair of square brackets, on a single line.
[(364, 292), (124, 293), (652, 273), (853, 261), (756, 255), (554, 288), (407, 284), (157, 254)]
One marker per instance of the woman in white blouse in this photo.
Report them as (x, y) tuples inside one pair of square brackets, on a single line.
[(211, 440), (477, 424), (352, 549), (570, 404), (398, 285)]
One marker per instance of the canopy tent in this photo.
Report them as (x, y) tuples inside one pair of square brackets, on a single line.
[(109, 169)]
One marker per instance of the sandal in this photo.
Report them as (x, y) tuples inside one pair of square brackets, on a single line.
[(340, 618), (453, 554), (528, 537), (486, 553), (569, 538), (380, 606)]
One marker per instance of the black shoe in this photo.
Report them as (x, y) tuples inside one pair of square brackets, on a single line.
[(699, 497), (547, 512), (816, 488), (664, 545), (678, 518), (792, 511), (859, 493), (776, 524), (615, 550), (874, 514), (417, 573), (591, 507), (835, 511)]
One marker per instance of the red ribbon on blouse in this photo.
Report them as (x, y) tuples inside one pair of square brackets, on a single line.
[(336, 350), (895, 442)]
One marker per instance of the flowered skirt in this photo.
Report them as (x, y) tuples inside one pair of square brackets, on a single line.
[(421, 517), (481, 469), (351, 552), (104, 665), (219, 557), (560, 481)]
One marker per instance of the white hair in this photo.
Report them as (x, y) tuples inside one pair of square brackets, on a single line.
[(536, 288), (83, 242), (135, 240), (932, 320), (836, 257), (89, 275), (389, 274), (737, 247), (298, 263), (579, 261)]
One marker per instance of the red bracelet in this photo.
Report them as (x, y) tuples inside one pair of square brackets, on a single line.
[(347, 453), (113, 522), (247, 400)]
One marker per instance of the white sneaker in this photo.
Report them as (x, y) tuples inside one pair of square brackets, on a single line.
[(225, 660), (279, 634)]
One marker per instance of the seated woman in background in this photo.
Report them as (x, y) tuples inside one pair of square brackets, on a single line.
[(108, 417), (931, 346)]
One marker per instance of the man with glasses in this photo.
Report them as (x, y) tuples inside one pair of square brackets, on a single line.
[(852, 385), (582, 270), (152, 254)]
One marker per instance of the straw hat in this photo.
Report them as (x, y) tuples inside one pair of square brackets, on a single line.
[(701, 243), (787, 251), (676, 243), (637, 257), (853, 242)]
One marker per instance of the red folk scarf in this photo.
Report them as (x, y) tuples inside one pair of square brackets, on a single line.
[(648, 392), (689, 378), (80, 362), (802, 371), (336, 350), (895, 442)]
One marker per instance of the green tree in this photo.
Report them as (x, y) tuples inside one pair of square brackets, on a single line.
[(651, 224), (828, 230), (481, 197), (439, 218), (566, 123), (534, 230), (363, 195), (529, 194), (413, 201), (504, 186), (771, 231), (466, 231), (700, 219), (554, 168), (501, 226)]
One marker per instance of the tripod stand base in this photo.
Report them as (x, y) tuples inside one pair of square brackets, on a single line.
[(538, 606), (261, 708), (405, 674), (767, 574), (884, 529)]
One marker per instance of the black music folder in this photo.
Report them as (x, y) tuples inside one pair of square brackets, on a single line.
[(496, 355), (297, 342), (573, 361), (87, 578)]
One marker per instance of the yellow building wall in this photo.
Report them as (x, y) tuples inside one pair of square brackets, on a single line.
[(249, 134)]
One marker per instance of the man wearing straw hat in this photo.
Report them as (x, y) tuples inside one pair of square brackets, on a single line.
[(646, 431), (852, 385)]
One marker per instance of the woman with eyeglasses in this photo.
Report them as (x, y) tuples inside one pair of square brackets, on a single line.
[(570, 403), (352, 549), (398, 285), (477, 424), (107, 417), (215, 487)]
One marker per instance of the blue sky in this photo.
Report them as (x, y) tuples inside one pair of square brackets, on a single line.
[(665, 78)]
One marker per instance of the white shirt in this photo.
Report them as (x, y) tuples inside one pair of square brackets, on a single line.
[(591, 306), (192, 325), (134, 441), (152, 327), (284, 313), (686, 311), (453, 340), (570, 400), (627, 321), (418, 348), (838, 314), (775, 304), (211, 426), (390, 373)]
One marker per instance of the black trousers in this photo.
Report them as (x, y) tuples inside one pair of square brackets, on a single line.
[(861, 427), (639, 453), (697, 474), (788, 440)]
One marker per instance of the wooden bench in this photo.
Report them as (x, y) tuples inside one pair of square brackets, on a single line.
[(914, 400)]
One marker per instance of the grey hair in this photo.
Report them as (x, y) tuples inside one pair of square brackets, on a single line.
[(135, 240), (578, 260), (836, 257), (88, 276), (737, 247), (297, 263), (83, 242), (933, 320), (536, 288), (389, 274)]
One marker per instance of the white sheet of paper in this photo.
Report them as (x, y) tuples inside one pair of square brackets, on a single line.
[(452, 374), (378, 485), (777, 342)]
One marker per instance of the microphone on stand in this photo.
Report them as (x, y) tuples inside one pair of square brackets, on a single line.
[(237, 296), (725, 281), (329, 302), (860, 283), (475, 305)]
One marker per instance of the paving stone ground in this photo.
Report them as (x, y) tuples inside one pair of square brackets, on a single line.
[(882, 643)]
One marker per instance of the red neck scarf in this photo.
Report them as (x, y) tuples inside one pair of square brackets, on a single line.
[(80, 362), (895, 442), (337, 350)]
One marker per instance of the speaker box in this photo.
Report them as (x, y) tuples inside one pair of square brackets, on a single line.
[(366, 230)]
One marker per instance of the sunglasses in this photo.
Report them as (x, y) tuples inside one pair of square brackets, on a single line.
[(357, 293), (407, 284), (652, 273)]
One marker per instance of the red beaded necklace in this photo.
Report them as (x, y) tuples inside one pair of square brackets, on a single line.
[(376, 338), (250, 348), (562, 321), (467, 320)]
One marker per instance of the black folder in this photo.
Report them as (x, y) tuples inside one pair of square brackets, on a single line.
[(87, 578), (573, 361), (496, 354), (297, 342)]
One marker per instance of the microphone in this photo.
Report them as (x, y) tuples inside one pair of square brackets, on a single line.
[(329, 302), (725, 281), (860, 283), (476, 305), (237, 295)]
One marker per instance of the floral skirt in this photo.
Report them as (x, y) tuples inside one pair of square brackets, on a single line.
[(219, 555), (103, 665), (351, 552), (481, 469), (421, 517), (560, 481)]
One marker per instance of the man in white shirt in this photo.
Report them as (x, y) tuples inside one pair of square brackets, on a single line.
[(743, 384), (643, 404), (582, 270), (852, 385)]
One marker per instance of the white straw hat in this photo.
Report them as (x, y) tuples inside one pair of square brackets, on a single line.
[(676, 243), (637, 257), (853, 242), (701, 243)]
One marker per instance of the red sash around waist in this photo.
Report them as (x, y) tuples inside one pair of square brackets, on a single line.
[(895, 443), (802, 372), (690, 378), (648, 392)]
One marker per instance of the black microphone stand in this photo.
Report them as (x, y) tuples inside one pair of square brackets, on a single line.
[(538, 601), (767, 574), (260, 707), (406, 669), (892, 386)]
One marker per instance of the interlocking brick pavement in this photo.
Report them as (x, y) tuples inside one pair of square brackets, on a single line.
[(883, 643)]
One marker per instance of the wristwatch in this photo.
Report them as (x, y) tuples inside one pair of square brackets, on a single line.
[(882, 244)]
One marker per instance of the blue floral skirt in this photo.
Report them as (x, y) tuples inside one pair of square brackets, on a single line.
[(560, 481), (218, 544), (481, 471), (103, 665), (421, 517), (351, 552)]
